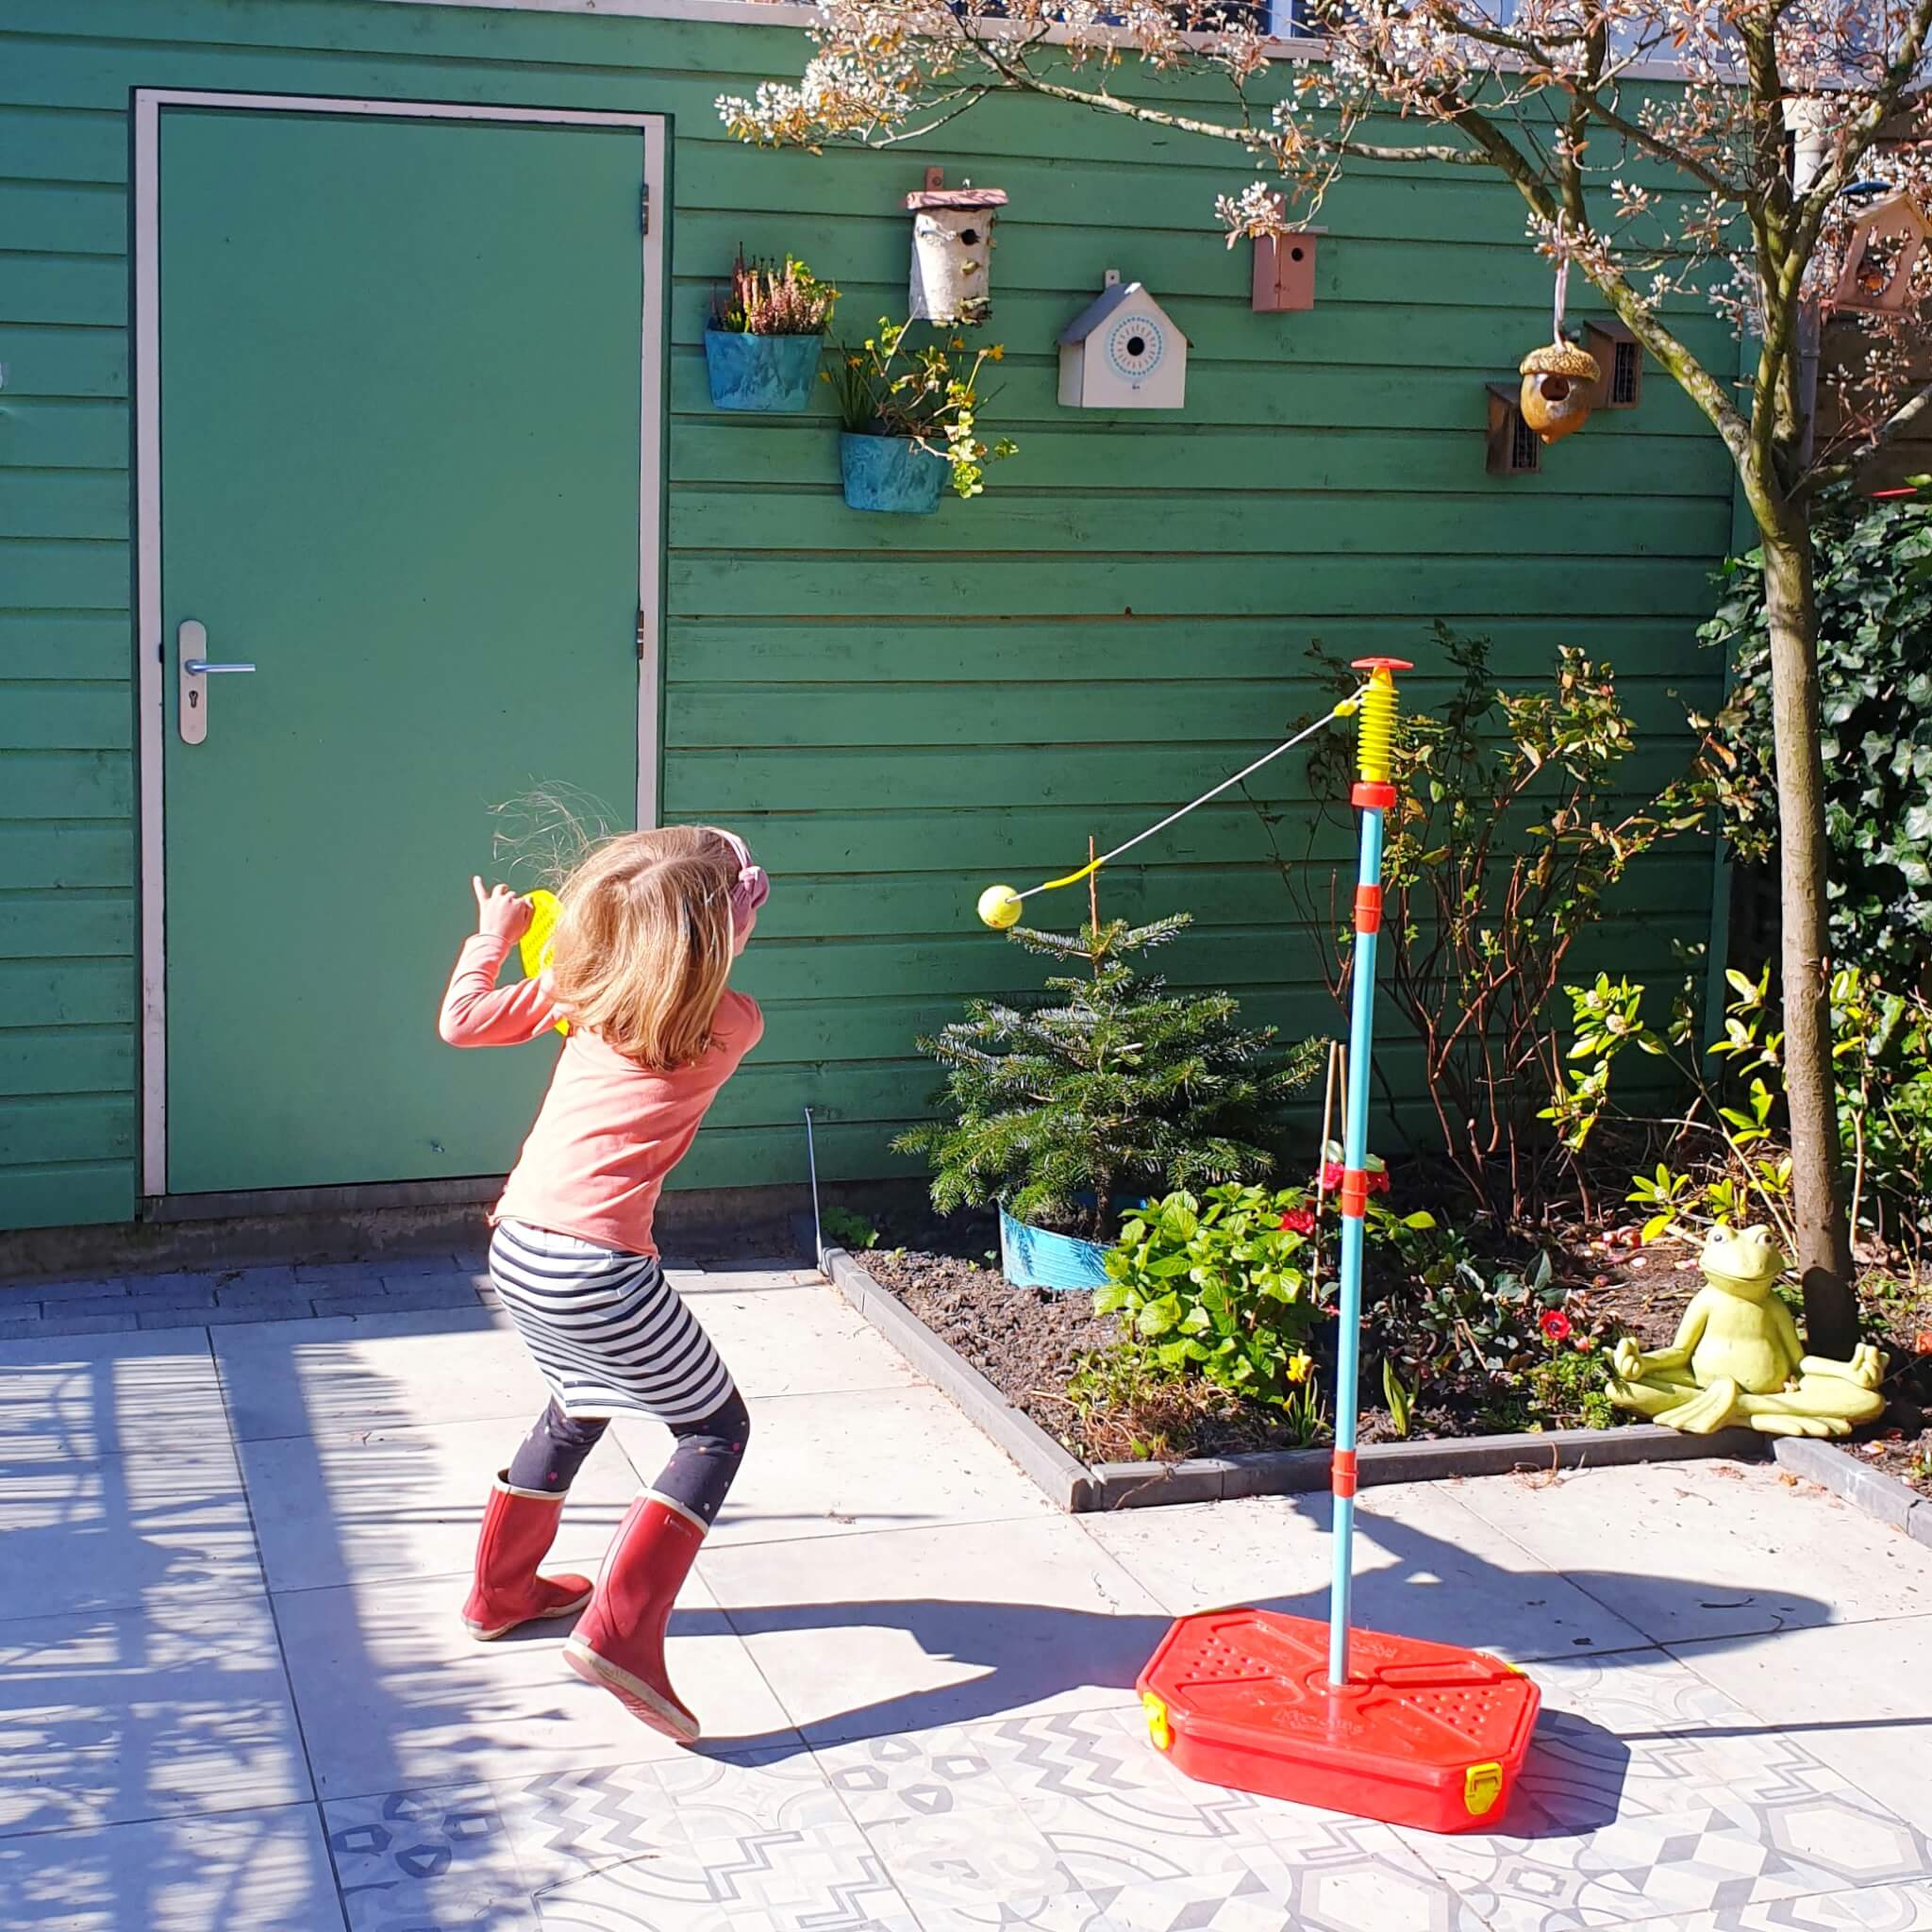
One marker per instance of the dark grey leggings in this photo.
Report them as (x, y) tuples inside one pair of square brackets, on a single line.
[(698, 1476)]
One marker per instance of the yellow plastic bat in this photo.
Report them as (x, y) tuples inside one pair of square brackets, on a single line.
[(535, 946)]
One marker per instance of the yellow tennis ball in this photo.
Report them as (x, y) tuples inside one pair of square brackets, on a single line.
[(999, 907)]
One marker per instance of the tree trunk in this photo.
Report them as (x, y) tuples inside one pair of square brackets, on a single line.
[(1824, 1255)]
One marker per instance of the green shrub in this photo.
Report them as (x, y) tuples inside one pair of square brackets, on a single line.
[(1875, 659), (1106, 1084)]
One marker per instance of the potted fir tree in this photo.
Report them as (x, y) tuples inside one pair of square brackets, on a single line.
[(763, 341), (910, 421), (1106, 1088)]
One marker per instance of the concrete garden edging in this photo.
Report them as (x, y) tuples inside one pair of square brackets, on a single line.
[(1079, 1488), (1896, 1504)]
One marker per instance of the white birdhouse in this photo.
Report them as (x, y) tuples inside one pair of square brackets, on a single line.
[(1123, 352), (1887, 240), (952, 250)]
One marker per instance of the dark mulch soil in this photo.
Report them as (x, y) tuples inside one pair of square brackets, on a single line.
[(1029, 1343)]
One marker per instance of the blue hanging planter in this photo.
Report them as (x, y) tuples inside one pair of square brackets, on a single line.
[(769, 374), (1036, 1257), (890, 473)]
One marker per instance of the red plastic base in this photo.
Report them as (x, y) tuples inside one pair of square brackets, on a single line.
[(1422, 1734)]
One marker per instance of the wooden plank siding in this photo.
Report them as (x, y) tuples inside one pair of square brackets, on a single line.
[(893, 712)]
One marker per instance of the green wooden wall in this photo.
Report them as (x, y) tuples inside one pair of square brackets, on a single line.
[(894, 712)]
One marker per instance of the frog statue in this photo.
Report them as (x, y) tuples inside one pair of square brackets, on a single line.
[(1736, 1361)]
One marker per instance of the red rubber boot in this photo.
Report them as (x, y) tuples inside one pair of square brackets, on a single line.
[(518, 1529), (620, 1642)]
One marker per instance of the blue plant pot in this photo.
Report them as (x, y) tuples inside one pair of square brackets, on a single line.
[(770, 374), (890, 473), (1034, 1258)]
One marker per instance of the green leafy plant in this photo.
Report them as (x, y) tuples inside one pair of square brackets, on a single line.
[(1874, 589), (1400, 1398), (1216, 1284), (1511, 824), (1105, 1084), (845, 1229), (928, 393), (767, 301)]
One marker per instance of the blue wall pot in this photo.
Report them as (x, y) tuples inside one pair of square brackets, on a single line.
[(1033, 1257), (890, 473), (774, 374)]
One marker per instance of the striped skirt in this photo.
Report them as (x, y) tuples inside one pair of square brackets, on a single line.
[(606, 1330)]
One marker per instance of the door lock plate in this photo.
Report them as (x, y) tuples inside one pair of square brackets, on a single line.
[(190, 645)]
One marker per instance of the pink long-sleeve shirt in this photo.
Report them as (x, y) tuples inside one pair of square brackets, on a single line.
[(609, 1131)]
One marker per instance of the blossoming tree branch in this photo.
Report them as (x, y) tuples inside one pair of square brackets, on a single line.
[(1675, 156)]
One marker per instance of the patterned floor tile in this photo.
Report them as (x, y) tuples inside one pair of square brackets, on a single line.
[(921, 1775), (1871, 1909), (428, 1861)]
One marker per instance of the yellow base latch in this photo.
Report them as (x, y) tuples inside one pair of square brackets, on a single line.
[(1158, 1727), (1482, 1784)]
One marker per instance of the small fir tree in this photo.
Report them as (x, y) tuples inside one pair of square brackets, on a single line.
[(1105, 1083)]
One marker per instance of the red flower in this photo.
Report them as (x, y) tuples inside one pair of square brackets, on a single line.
[(1377, 1178), (1331, 1176), (1298, 1221), (1554, 1325)]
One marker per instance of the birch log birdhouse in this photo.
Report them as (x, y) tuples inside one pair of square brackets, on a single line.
[(952, 250)]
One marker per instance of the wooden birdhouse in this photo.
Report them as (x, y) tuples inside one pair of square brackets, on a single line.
[(1285, 270), (1887, 240), (1515, 449), (1620, 355), (952, 250), (1123, 352)]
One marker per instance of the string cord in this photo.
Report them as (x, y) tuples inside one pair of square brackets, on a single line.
[(1343, 709)]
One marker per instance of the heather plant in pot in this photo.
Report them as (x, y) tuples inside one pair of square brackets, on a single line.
[(911, 418), (1105, 1086), (763, 343)]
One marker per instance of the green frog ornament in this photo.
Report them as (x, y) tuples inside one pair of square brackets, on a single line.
[(1736, 1361)]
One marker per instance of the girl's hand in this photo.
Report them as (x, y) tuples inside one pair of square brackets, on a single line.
[(499, 912)]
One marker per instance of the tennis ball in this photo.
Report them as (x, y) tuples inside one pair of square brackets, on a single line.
[(999, 907)]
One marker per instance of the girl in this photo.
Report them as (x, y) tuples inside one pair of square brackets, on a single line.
[(648, 926)]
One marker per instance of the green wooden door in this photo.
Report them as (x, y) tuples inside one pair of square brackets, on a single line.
[(400, 384)]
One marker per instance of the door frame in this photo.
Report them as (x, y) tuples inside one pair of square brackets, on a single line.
[(151, 647)]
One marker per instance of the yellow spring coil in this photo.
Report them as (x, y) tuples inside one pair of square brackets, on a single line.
[(1375, 733)]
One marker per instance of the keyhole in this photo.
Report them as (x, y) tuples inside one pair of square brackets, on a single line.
[(195, 700)]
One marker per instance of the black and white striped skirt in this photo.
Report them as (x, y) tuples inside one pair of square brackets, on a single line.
[(606, 1330)]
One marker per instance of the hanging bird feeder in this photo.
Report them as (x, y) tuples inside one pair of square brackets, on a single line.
[(1559, 382), (1887, 238), (952, 250)]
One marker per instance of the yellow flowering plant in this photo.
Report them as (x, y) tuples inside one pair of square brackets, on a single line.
[(927, 393)]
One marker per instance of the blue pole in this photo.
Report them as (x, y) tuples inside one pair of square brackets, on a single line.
[(1355, 1155)]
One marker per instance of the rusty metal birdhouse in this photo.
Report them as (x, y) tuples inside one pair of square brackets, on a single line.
[(952, 250), (1886, 239), (1559, 383)]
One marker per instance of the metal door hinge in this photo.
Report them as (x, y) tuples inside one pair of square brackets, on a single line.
[(644, 208), (643, 634)]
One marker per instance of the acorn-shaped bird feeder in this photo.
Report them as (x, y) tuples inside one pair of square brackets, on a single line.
[(1559, 383)]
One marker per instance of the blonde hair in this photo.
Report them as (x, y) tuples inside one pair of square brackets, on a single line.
[(643, 942)]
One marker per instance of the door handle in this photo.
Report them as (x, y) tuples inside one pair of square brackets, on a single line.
[(190, 641)]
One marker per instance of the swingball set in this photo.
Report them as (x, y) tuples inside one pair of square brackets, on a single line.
[(1380, 1726)]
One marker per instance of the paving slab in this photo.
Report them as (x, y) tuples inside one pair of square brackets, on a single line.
[(347, 1506), (114, 1532), (1689, 1550), (779, 1338), (267, 1871), (1426, 1565), (903, 1629), (129, 1714), (1860, 1698), (99, 1394), (395, 1693)]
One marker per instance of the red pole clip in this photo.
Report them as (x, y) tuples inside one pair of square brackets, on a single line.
[(1367, 909), (1373, 793), (1353, 1198), (1342, 1472)]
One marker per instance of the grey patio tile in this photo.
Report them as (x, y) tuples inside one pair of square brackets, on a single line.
[(839, 1465), (1870, 1909), (394, 1694), (905, 1630), (978, 1868), (1425, 1565), (394, 1370), (51, 1293), (60, 1324), (122, 1308), (1689, 1550), (265, 1871), (216, 1318), (112, 1532), (933, 1774), (248, 1292), (353, 1505), (797, 1341), (827, 1878), (427, 1858), (1860, 1699), (97, 1395), (428, 1292), (129, 1714)]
